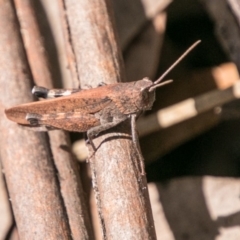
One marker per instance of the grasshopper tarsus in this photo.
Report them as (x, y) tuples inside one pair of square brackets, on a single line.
[(90, 141)]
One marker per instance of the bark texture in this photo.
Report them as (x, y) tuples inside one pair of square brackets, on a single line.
[(26, 159), (121, 190), (66, 164)]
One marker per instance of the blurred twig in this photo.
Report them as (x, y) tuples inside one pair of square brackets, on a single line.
[(228, 37)]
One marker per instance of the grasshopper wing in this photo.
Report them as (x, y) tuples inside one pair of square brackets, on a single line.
[(72, 113)]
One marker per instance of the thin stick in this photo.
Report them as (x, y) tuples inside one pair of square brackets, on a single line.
[(27, 161), (117, 153)]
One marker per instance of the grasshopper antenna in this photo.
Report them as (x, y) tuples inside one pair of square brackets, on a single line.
[(156, 83)]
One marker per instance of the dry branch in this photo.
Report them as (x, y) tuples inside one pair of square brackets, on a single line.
[(235, 6), (71, 58), (6, 219), (226, 27), (121, 190), (67, 167), (26, 158)]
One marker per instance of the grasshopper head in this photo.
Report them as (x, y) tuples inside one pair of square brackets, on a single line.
[(147, 90), (140, 95), (147, 98), (134, 97)]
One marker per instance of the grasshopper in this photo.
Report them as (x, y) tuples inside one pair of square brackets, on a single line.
[(93, 110)]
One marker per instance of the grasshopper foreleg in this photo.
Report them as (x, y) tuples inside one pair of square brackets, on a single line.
[(92, 132), (42, 92), (135, 140)]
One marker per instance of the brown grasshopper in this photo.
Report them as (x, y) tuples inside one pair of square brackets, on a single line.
[(93, 110)]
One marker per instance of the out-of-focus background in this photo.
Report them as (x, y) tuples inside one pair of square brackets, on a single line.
[(191, 138)]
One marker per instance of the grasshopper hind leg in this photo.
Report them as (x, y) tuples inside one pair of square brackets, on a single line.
[(34, 124), (42, 92)]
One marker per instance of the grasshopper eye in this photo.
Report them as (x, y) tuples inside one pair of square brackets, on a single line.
[(147, 100), (145, 97)]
